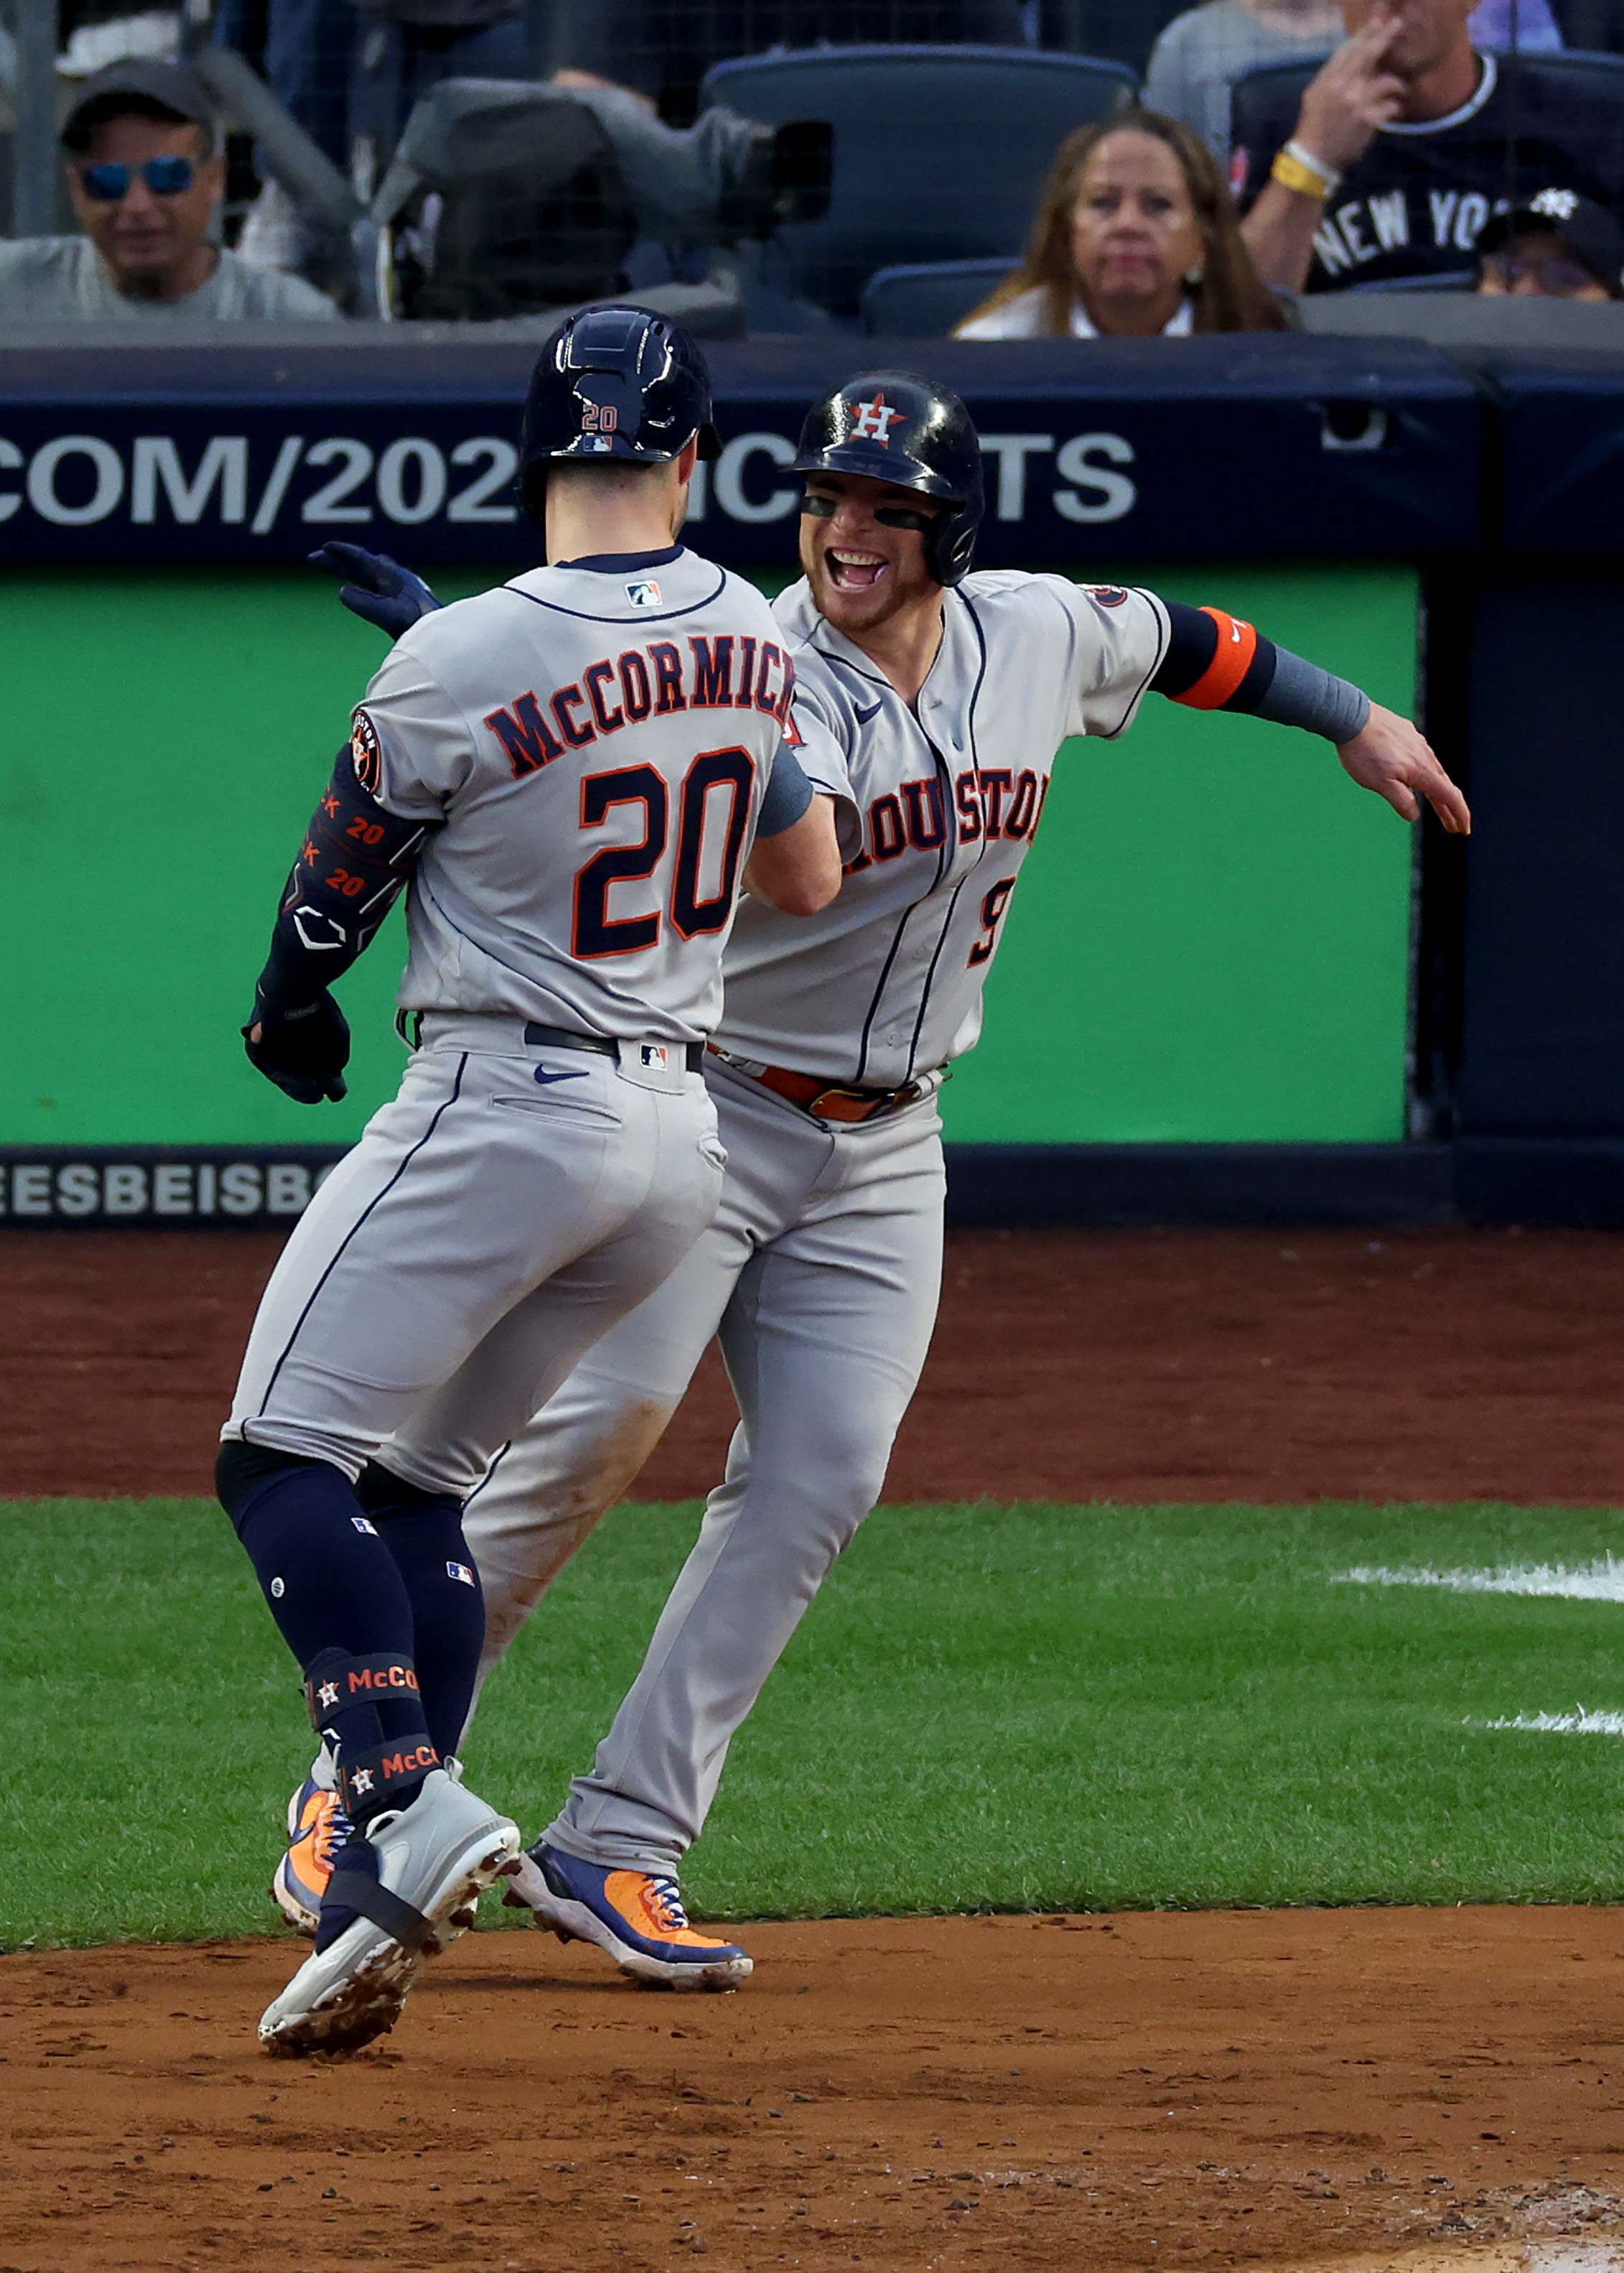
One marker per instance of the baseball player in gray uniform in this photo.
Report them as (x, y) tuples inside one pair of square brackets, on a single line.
[(571, 771), (935, 701)]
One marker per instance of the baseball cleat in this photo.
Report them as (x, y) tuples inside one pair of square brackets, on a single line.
[(433, 1860), (635, 1916), (317, 1828)]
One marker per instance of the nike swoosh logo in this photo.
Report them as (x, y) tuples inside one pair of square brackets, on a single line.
[(544, 1074), (863, 717)]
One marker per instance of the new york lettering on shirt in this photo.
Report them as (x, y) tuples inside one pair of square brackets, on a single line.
[(1417, 200)]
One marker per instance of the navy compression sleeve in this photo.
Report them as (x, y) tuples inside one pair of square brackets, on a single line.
[(354, 863), (786, 796), (1216, 662)]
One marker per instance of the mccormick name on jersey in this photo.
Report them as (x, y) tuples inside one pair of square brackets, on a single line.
[(656, 680)]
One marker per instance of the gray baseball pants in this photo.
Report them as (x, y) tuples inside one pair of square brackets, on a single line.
[(821, 1273), (505, 1208)]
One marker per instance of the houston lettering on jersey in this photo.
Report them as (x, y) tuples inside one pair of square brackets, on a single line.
[(938, 800), (654, 680), (989, 802)]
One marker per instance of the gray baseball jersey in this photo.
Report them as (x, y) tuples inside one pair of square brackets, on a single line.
[(943, 801), (650, 705), (820, 1270)]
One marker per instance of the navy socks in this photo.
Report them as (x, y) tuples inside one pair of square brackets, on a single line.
[(424, 1533), (326, 1573), (379, 1573)]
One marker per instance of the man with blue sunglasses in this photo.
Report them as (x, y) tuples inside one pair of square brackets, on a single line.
[(145, 179)]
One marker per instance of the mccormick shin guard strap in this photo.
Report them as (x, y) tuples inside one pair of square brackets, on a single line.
[(358, 1890), (335, 1683), (384, 1776)]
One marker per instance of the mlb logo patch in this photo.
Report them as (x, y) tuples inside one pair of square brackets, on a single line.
[(461, 1572), (361, 1524), (654, 1053), (643, 594)]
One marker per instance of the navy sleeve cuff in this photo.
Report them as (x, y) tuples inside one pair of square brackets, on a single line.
[(787, 796)]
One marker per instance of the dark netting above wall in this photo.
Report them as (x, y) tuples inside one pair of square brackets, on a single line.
[(799, 167)]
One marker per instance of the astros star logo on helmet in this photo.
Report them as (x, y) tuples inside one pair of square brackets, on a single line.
[(873, 421)]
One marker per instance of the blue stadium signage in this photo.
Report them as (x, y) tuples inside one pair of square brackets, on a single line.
[(1113, 449), (249, 1186)]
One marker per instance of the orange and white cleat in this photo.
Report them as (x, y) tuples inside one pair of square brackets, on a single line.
[(317, 1828), (636, 1916)]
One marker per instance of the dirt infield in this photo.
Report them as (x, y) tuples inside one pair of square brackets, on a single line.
[(1069, 2096), (1137, 1366)]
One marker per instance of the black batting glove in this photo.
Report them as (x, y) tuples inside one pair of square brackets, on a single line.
[(303, 1051), (379, 589)]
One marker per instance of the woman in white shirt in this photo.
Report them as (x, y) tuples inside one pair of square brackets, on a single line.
[(1135, 234)]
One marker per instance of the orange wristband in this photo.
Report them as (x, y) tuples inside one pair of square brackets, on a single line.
[(1237, 646)]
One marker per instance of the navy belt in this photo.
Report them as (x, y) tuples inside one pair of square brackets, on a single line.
[(559, 1038)]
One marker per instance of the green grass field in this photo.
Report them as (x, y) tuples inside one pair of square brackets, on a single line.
[(989, 1707)]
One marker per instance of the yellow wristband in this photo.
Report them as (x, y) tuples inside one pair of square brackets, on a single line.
[(1291, 174)]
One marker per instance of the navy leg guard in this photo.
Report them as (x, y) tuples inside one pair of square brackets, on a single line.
[(327, 1578), (423, 1531)]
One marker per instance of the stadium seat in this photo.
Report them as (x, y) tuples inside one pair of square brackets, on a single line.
[(664, 47), (925, 301), (1123, 31), (502, 199), (1594, 25), (939, 153)]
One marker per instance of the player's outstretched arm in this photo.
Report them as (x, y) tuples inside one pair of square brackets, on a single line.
[(378, 590), (1396, 760), (1216, 662)]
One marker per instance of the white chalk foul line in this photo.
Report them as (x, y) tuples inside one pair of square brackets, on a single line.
[(1560, 1724), (1589, 1582)]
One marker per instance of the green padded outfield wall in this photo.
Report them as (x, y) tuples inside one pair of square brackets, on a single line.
[(1209, 942)]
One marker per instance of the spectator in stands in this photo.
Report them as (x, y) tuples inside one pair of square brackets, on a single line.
[(1557, 246), (1201, 54), (1134, 234), (1198, 58), (303, 49), (1392, 157), (146, 181)]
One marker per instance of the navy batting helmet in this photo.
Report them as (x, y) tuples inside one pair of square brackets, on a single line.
[(613, 383), (896, 428)]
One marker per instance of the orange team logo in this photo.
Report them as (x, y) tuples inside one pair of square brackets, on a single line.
[(366, 752), (874, 422)]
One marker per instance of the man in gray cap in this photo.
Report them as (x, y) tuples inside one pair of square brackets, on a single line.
[(145, 179)]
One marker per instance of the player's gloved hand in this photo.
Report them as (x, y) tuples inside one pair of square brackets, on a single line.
[(380, 588), (303, 1051)]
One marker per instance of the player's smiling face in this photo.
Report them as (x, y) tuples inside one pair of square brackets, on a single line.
[(863, 549)]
